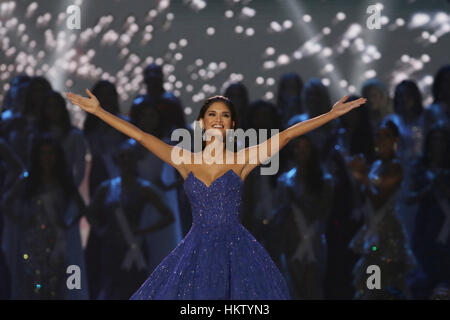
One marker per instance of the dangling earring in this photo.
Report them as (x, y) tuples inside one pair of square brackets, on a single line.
[(395, 146)]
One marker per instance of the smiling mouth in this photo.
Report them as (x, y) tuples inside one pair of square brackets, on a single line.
[(217, 126)]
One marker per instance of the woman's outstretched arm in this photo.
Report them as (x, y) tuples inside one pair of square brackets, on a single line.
[(158, 147), (255, 155)]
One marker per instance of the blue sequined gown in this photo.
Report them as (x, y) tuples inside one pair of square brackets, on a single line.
[(218, 259)]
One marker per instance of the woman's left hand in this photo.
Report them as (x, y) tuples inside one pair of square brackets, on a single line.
[(341, 107)]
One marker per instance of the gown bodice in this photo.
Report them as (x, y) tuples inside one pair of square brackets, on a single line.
[(215, 205)]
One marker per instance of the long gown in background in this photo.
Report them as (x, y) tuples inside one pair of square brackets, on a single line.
[(410, 145), (218, 259), (49, 242), (431, 236), (123, 253), (382, 241), (304, 215)]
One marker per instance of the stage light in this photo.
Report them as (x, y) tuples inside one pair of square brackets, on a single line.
[(343, 83), (229, 14), (328, 67), (325, 81), (307, 18), (248, 12), (400, 22), (419, 19), (326, 31), (340, 16), (366, 59), (269, 95), (297, 55), (287, 24), (370, 74), (425, 58), (275, 26), (269, 64), (283, 59), (428, 80), (270, 81)]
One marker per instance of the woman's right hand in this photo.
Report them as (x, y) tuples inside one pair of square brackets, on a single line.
[(91, 105)]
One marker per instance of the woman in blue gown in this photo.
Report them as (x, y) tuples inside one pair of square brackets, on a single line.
[(218, 258)]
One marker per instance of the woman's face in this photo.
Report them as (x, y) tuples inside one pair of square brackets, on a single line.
[(384, 141), (217, 119), (47, 157)]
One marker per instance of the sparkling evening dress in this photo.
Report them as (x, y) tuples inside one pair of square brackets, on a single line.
[(218, 259)]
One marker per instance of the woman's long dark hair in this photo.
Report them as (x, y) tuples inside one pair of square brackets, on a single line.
[(64, 122), (61, 169), (38, 87), (361, 139), (412, 88), (108, 97), (438, 83), (241, 90)]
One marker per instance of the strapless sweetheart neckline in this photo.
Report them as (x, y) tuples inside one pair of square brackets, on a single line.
[(215, 180)]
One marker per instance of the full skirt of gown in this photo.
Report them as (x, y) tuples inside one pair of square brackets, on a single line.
[(218, 259)]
